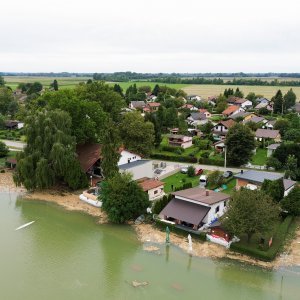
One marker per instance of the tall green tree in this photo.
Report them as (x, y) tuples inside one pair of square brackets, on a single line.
[(250, 212), (289, 99), (33, 88), (55, 85), (2, 82), (274, 188), (156, 90), (152, 117), (238, 93), (278, 106), (6, 98), (136, 134), (291, 167), (110, 150), (240, 143), (221, 104), (118, 89), (49, 157), (3, 149), (291, 203), (123, 199)]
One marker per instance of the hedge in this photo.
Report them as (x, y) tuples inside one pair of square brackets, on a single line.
[(209, 161), (178, 158), (160, 204), (172, 149), (271, 253), (162, 225)]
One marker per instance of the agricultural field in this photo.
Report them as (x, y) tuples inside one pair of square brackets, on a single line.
[(207, 90), (63, 82), (125, 85)]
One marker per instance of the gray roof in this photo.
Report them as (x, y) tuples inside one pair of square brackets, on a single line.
[(255, 119), (273, 146), (266, 133), (134, 164), (185, 211), (138, 104), (288, 183), (258, 176), (240, 114), (198, 116), (297, 107), (199, 195)]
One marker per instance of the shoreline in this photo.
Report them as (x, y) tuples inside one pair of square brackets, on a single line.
[(147, 233)]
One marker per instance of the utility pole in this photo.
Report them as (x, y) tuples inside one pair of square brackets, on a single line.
[(225, 160)]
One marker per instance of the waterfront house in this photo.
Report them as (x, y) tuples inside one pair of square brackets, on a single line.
[(232, 110), (180, 140), (254, 179), (194, 208), (153, 187)]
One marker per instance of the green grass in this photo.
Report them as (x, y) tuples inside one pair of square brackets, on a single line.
[(207, 90), (63, 82), (11, 154), (260, 157), (177, 180), (125, 85), (230, 186)]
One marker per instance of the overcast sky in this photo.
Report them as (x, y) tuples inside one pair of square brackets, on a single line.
[(150, 36)]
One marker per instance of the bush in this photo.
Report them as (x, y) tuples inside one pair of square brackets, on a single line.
[(3, 149), (205, 154), (209, 161), (162, 225), (160, 204), (174, 158), (191, 171), (174, 149), (270, 253), (185, 186)]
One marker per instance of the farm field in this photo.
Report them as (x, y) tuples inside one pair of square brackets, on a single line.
[(63, 82), (207, 90), (125, 85)]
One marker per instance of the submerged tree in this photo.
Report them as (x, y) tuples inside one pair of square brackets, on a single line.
[(123, 199), (250, 212), (49, 157)]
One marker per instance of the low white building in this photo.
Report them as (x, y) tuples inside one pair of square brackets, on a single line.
[(127, 157), (138, 169)]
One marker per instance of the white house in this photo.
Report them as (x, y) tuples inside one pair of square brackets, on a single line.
[(195, 208), (232, 110), (180, 140), (127, 157), (154, 188), (196, 119), (220, 129), (194, 97)]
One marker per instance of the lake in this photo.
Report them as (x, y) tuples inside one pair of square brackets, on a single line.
[(66, 255)]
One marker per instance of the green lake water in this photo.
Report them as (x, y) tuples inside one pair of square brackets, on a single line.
[(66, 255)]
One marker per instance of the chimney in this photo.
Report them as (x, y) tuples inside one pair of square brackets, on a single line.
[(207, 192)]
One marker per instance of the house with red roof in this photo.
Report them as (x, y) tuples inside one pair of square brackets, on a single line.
[(153, 187), (220, 130), (232, 110)]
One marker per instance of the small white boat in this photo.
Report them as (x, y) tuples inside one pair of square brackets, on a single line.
[(91, 197), (25, 225)]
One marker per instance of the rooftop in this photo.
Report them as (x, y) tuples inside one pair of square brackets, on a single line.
[(88, 154), (273, 146), (201, 195), (258, 176), (198, 116), (266, 133), (149, 183), (230, 109), (134, 164)]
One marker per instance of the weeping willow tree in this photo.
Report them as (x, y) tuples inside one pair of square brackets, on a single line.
[(49, 157)]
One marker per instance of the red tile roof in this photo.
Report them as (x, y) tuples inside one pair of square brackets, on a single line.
[(230, 109), (228, 123), (154, 104), (148, 184)]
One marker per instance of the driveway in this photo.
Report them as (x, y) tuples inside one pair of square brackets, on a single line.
[(14, 145)]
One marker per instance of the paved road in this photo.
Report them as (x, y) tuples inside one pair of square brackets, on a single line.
[(14, 145)]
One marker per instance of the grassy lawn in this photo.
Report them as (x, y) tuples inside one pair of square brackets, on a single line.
[(230, 186), (260, 157), (11, 154), (177, 180)]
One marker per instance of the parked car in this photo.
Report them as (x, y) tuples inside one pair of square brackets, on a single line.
[(227, 174), (203, 181), (198, 171), (184, 170)]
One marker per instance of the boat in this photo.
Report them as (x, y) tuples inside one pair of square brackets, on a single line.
[(25, 225), (91, 197)]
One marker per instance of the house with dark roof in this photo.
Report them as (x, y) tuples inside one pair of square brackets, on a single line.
[(89, 157), (254, 179), (257, 120), (220, 130), (153, 187), (241, 102), (267, 134), (194, 208), (232, 110), (138, 105), (197, 118)]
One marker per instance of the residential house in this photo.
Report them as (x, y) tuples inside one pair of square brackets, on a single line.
[(256, 120), (154, 188), (151, 98), (243, 115), (13, 124), (180, 140), (271, 149), (267, 134), (89, 157), (194, 208), (241, 102), (266, 105), (138, 105), (195, 119), (206, 112), (296, 108), (262, 100), (194, 97), (232, 110), (189, 107), (220, 146), (254, 179), (153, 106), (220, 130), (138, 169), (270, 124)]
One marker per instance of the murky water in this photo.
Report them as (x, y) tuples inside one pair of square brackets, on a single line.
[(66, 255)]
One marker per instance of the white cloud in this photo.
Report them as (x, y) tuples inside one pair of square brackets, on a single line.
[(150, 36)]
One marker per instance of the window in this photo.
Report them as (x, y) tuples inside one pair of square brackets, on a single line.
[(217, 209), (225, 203), (155, 192)]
